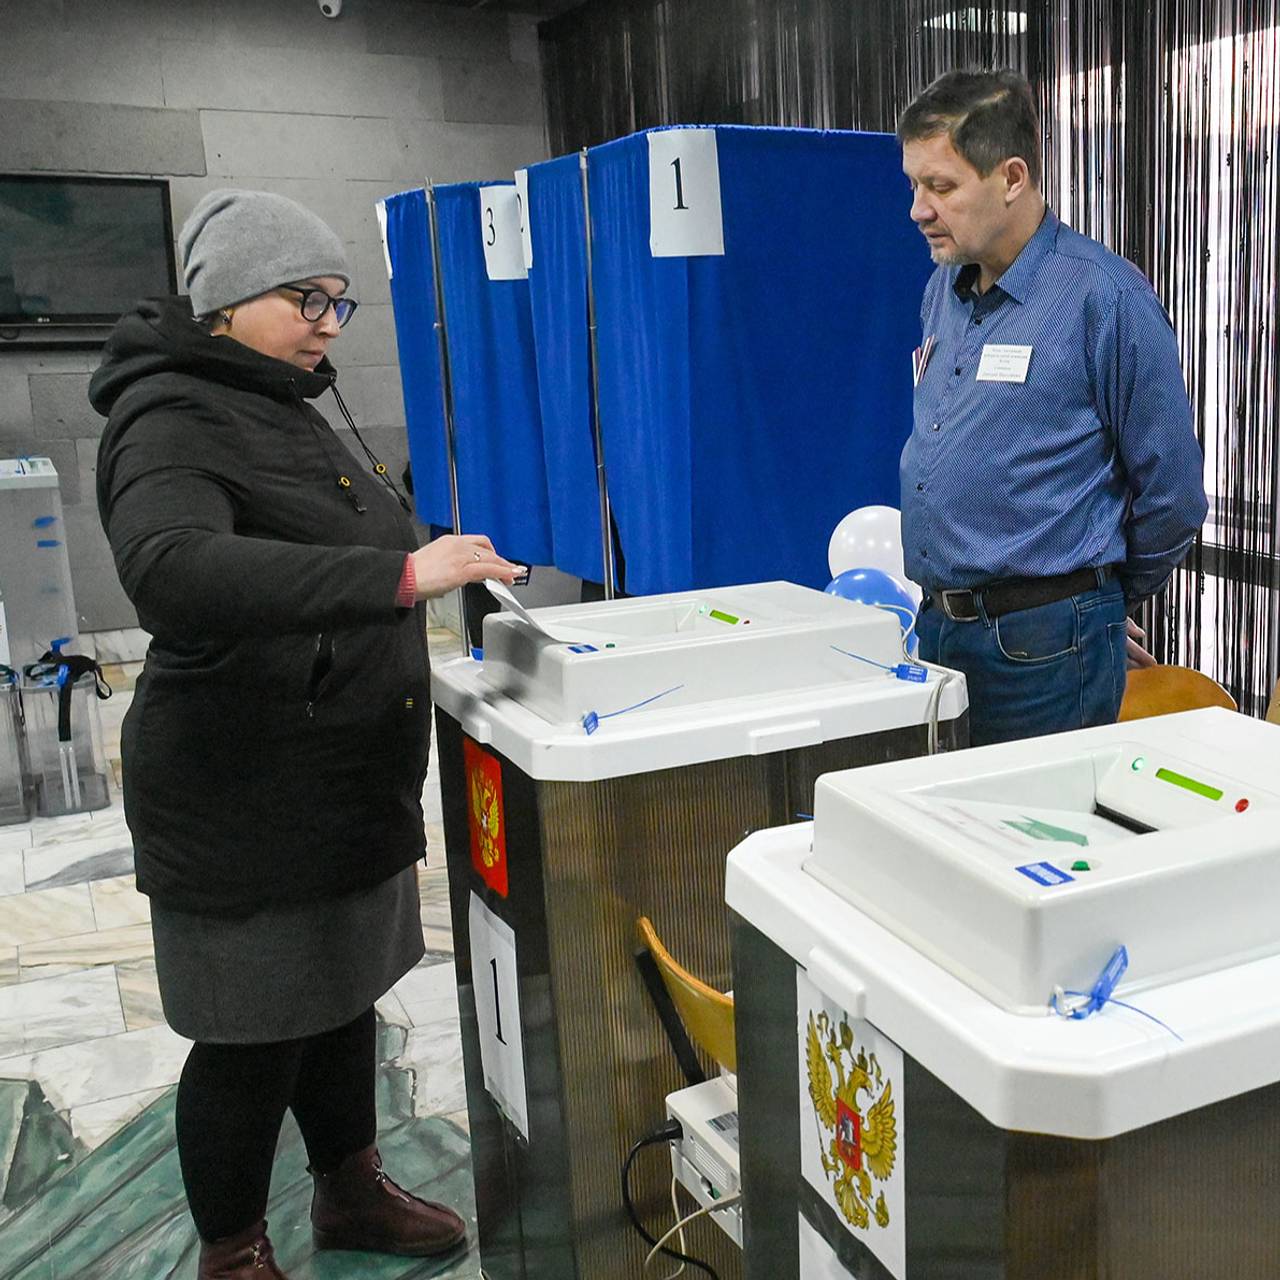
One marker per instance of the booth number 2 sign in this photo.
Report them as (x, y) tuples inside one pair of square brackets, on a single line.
[(497, 995), (684, 194)]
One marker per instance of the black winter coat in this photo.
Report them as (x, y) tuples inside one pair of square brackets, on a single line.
[(277, 743)]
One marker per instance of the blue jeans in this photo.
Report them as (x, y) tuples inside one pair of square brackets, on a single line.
[(1044, 670)]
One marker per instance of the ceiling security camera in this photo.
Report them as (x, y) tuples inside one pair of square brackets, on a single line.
[(330, 8)]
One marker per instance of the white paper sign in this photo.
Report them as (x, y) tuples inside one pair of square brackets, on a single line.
[(381, 208), (684, 194), (853, 1118), (1003, 362), (522, 209), (497, 993), (500, 233), (817, 1258)]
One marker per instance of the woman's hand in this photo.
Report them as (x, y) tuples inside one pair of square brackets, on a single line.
[(451, 561)]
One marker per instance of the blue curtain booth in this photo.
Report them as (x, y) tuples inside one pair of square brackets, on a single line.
[(413, 299), (751, 400), (502, 477), (558, 292)]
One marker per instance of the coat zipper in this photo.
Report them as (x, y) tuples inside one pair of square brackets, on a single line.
[(321, 668)]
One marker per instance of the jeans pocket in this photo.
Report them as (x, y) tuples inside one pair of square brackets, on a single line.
[(1034, 637), (1118, 642)]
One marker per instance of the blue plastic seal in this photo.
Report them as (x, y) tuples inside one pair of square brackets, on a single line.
[(909, 671), (1102, 993), (591, 722)]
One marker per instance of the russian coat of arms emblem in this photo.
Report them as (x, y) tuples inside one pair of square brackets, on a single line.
[(853, 1101)]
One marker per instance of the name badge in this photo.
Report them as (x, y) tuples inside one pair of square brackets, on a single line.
[(1003, 362)]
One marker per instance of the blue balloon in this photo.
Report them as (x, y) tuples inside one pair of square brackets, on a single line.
[(880, 589)]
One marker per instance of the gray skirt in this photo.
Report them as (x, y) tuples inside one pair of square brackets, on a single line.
[(289, 971)]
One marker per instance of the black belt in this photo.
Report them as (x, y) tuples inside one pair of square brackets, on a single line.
[(998, 598)]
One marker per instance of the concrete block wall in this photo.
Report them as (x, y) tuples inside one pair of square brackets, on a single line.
[(251, 93)]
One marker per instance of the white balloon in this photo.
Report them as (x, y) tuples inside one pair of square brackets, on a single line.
[(868, 538)]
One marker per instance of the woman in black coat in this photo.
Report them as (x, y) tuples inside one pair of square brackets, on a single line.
[(276, 749)]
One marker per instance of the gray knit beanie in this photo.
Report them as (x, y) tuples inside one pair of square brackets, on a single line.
[(239, 244)]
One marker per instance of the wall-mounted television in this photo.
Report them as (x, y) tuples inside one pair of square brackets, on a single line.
[(81, 251)]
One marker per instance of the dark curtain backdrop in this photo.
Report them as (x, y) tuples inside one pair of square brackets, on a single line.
[(1162, 122)]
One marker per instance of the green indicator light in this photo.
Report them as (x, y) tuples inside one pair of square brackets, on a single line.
[(611, 646), (1081, 866), (1189, 784), (719, 616), (1139, 764)]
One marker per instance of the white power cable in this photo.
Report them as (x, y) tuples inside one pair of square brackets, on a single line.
[(944, 678), (727, 1203), (675, 1209)]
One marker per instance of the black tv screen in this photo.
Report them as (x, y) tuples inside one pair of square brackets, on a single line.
[(81, 250)]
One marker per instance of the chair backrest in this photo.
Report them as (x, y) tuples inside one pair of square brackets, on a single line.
[(1158, 691), (707, 1014)]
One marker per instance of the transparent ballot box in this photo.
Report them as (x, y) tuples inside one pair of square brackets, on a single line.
[(15, 787), (64, 743)]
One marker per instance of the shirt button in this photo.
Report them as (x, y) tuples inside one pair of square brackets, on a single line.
[(919, 488), (924, 555), (977, 319), (937, 426), (959, 371)]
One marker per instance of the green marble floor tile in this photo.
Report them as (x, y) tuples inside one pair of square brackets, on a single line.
[(74, 1196), (43, 1149), (119, 1211)]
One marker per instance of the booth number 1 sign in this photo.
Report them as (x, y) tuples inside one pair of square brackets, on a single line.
[(685, 218), (497, 996)]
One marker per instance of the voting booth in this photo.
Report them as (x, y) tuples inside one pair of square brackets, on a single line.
[(1011, 1012), (599, 765)]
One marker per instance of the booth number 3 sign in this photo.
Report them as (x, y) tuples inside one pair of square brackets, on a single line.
[(504, 229), (685, 219)]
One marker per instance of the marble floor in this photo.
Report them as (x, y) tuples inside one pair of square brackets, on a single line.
[(89, 1183)]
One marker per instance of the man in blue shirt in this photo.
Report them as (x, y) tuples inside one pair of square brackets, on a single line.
[(1053, 478)]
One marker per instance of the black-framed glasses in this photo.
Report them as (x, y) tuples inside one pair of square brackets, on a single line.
[(313, 303)]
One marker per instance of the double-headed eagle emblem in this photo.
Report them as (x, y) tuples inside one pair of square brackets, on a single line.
[(864, 1143), (487, 812)]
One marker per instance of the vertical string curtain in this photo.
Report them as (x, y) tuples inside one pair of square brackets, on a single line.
[(1161, 124)]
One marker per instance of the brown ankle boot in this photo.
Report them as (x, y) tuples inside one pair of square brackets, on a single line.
[(356, 1206), (246, 1255)]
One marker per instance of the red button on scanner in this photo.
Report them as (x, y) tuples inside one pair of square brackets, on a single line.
[(1241, 805)]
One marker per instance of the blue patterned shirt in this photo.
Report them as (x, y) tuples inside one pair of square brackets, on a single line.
[(1091, 461)]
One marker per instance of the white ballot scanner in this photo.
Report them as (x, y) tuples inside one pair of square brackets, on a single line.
[(1018, 1008), (596, 766)]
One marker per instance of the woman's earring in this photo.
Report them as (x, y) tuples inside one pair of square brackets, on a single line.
[(225, 316)]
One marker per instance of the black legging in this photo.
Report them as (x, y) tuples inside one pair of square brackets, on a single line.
[(232, 1099)]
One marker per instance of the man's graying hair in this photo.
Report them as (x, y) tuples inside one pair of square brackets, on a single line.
[(988, 115)]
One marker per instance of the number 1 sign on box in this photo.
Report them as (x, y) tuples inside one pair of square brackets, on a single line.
[(684, 194), (497, 994)]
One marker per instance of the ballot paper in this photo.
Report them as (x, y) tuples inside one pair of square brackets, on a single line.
[(561, 632)]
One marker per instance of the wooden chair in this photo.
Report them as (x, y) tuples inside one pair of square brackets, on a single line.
[(1273, 707), (690, 1010), (1158, 691)]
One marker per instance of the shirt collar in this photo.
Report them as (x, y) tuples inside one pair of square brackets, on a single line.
[(1016, 281)]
